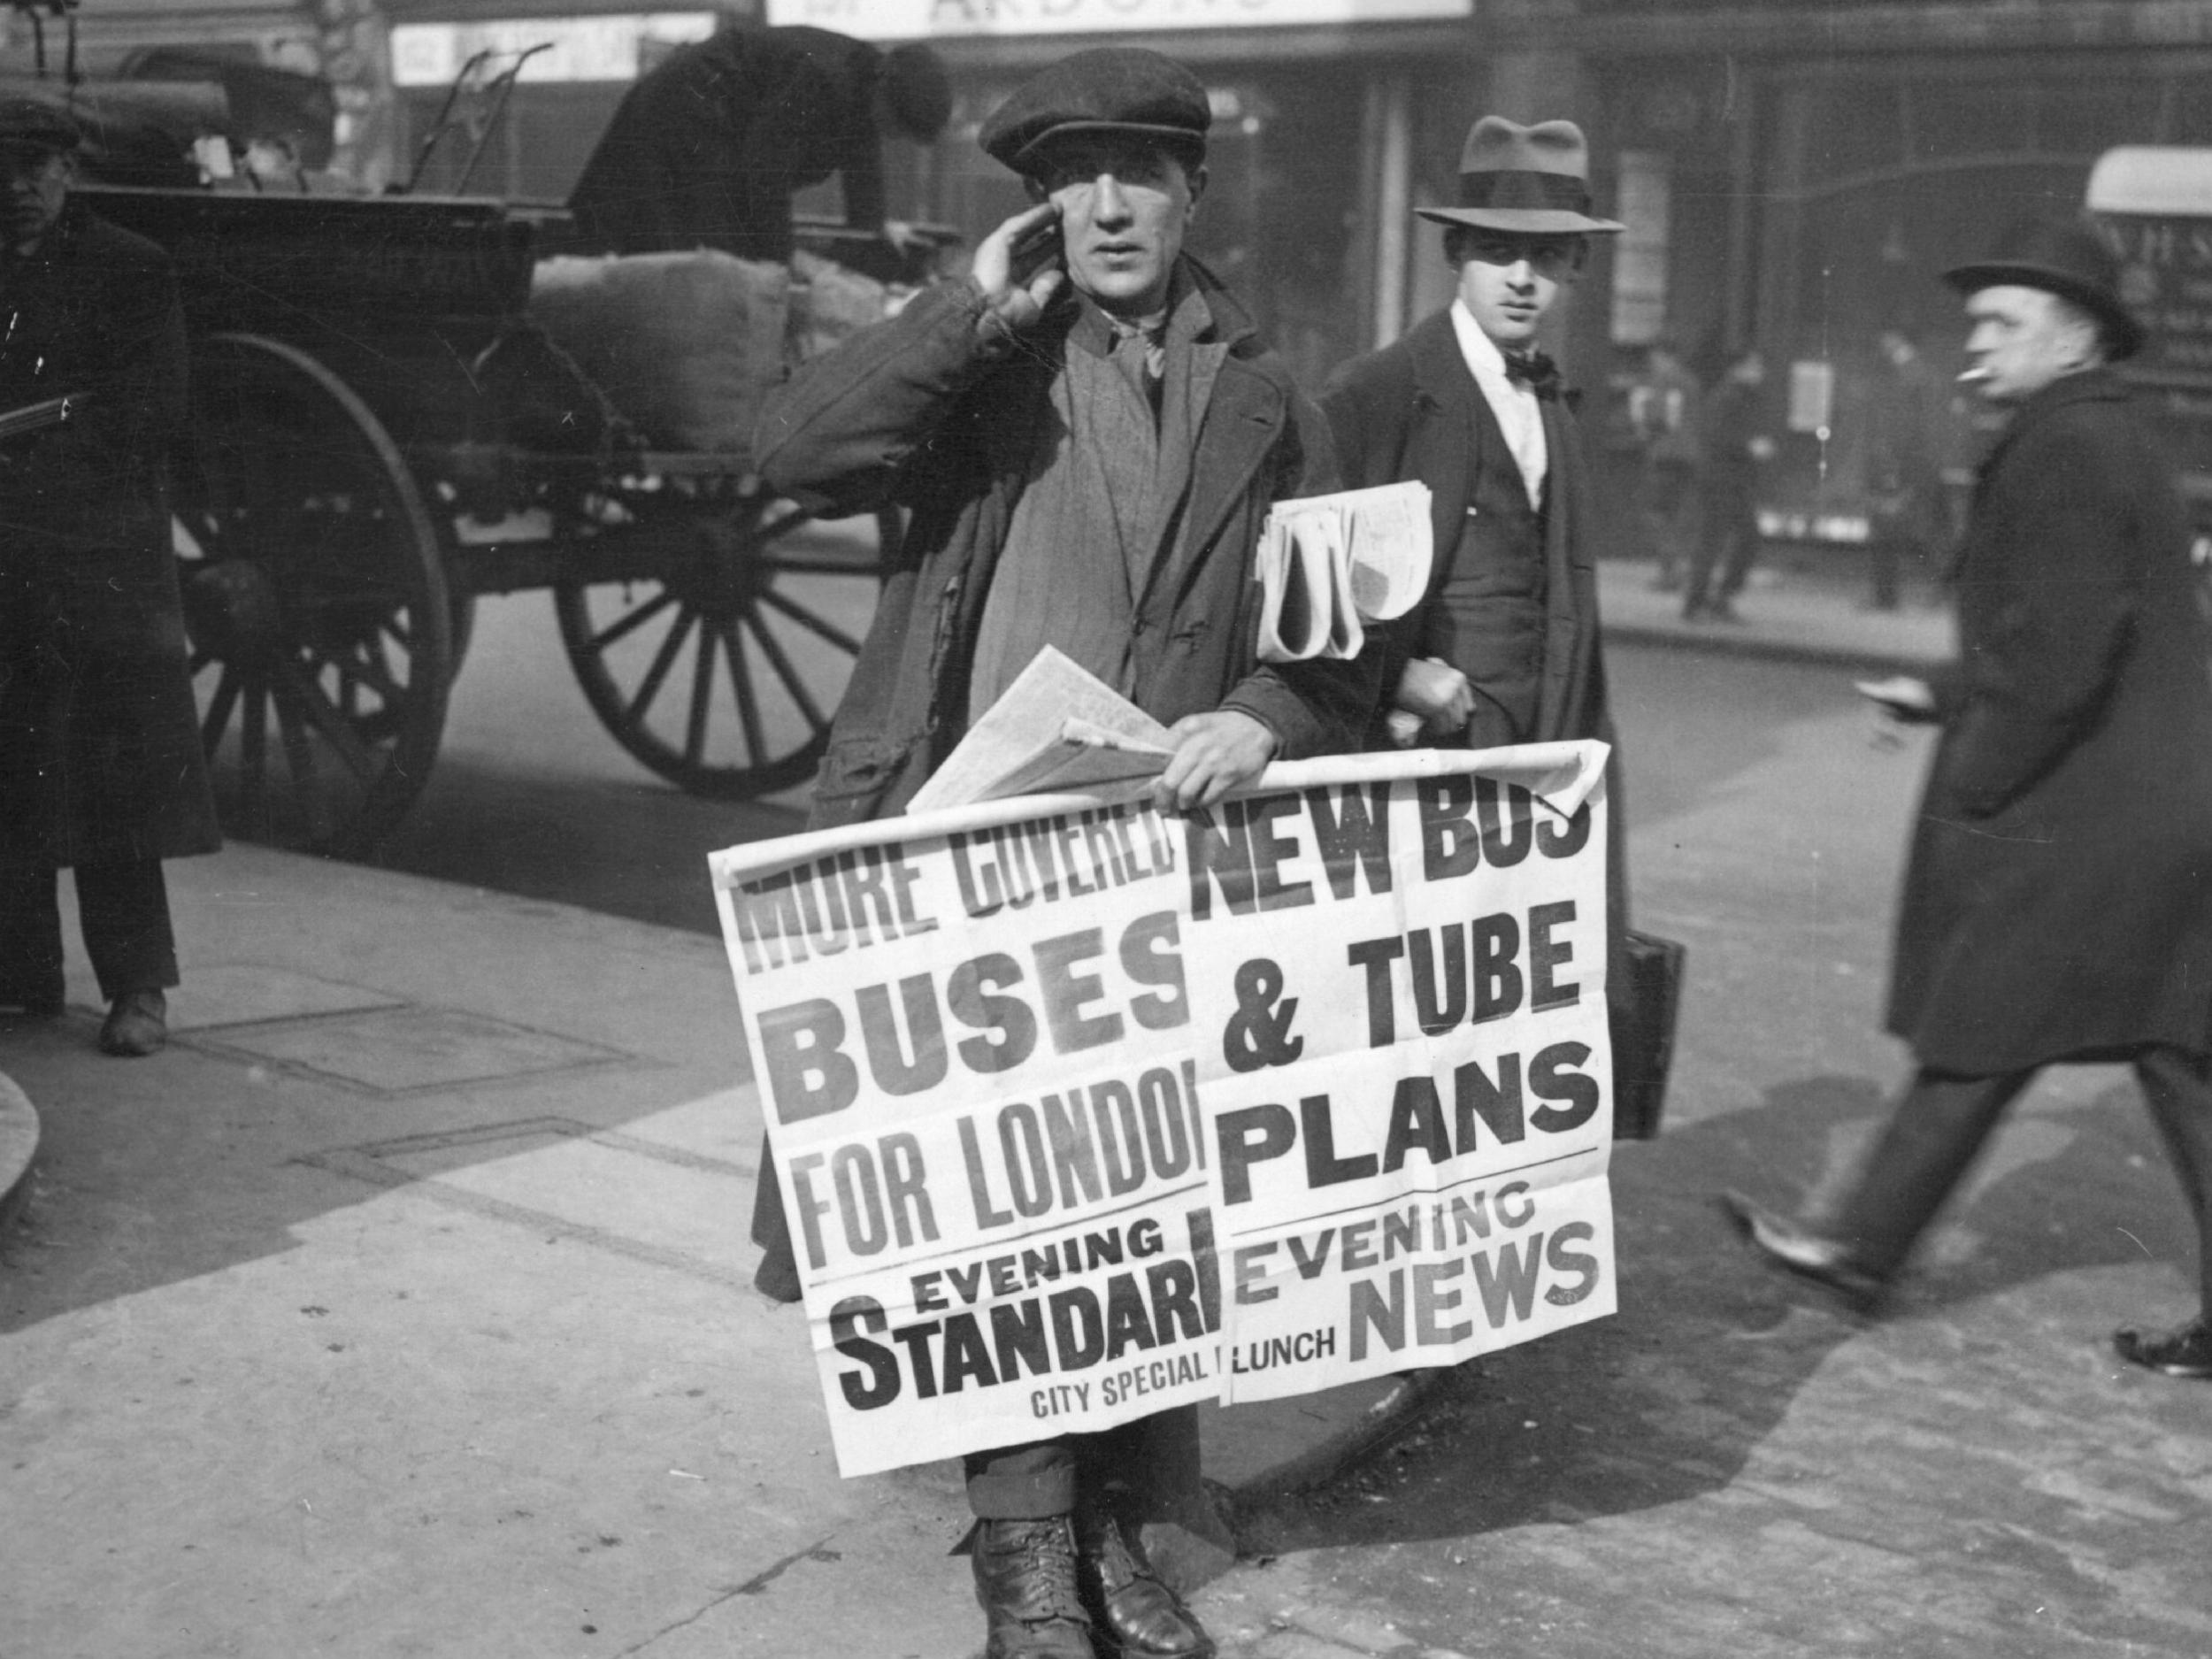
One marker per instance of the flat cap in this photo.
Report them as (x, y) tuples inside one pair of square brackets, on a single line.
[(34, 122), (1107, 89)]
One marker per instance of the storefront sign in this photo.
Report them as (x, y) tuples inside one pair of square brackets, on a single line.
[(1083, 1112), (916, 20)]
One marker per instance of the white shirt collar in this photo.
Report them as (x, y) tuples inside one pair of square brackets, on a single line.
[(1520, 416)]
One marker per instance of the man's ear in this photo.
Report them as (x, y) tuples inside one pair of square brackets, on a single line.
[(1196, 178)]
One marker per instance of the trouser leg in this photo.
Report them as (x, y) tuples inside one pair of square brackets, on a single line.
[(124, 908), (2178, 1085), (30, 927), (1145, 1469), (1031, 1482), (1742, 534), (1930, 1142)]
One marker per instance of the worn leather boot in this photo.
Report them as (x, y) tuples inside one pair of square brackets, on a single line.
[(1024, 1578), (1138, 1617), (137, 1025)]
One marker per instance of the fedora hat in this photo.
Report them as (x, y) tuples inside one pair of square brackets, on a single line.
[(2061, 256), (1534, 180)]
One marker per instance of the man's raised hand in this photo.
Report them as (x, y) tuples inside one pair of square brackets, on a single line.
[(1018, 267)]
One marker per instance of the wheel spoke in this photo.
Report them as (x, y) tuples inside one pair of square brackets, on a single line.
[(635, 619), (808, 620), (314, 703), (702, 690), (299, 755), (742, 685), (780, 659), (219, 708), (664, 659), (253, 756)]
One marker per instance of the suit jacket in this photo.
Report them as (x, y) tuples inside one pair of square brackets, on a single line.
[(2058, 902), (1413, 410)]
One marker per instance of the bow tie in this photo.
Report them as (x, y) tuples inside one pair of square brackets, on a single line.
[(1536, 371)]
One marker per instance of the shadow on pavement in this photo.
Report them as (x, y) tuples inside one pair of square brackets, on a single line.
[(1669, 1400)]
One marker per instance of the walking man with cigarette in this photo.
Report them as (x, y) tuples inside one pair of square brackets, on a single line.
[(2058, 902)]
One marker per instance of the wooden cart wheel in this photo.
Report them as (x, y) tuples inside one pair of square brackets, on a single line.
[(315, 601), (722, 674)]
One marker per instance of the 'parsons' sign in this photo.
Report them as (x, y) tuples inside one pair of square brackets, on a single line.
[(1082, 1113)]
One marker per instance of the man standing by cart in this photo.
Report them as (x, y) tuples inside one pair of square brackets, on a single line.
[(2058, 904), (100, 761), (1088, 434), (707, 149)]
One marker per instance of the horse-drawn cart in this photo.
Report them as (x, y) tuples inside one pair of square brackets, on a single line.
[(381, 435)]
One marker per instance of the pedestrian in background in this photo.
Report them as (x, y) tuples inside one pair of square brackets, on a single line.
[(100, 762), (1089, 434), (707, 149), (2058, 903), (1736, 446), (1665, 410), (1909, 415)]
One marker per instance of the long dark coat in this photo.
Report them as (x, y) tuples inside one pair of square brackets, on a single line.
[(924, 411), (2058, 903), (100, 756)]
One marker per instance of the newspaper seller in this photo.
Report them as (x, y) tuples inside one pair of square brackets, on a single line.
[(1088, 434)]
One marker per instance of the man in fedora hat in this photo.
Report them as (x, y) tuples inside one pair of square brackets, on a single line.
[(1505, 647), (1089, 434), (2058, 902), (100, 762)]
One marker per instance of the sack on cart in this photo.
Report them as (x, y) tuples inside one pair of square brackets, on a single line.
[(685, 345)]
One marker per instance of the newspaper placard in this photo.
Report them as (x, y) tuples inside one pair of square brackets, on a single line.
[(1004, 1049), (1411, 1100)]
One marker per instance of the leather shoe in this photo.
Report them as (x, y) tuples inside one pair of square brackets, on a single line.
[(2184, 1351), (1138, 1617), (1796, 1248), (137, 1025), (1024, 1578)]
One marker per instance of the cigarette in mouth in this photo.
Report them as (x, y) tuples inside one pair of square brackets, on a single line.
[(1973, 377)]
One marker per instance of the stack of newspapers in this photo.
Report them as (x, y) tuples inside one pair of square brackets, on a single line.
[(1331, 564)]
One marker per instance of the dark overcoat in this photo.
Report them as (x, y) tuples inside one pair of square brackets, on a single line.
[(931, 412), (2058, 900), (100, 758), (925, 411)]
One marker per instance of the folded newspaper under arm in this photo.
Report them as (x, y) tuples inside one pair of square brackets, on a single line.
[(1330, 564)]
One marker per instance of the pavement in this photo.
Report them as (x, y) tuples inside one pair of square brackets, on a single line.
[(402, 1305)]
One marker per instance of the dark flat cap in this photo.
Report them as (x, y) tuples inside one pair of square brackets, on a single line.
[(34, 122), (1107, 89), (2061, 256)]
